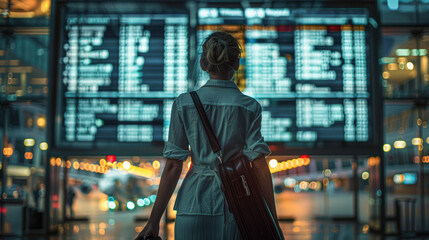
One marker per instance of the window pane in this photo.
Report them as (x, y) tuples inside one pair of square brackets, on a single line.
[(25, 64), (403, 55)]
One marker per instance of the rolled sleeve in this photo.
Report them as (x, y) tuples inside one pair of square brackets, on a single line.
[(177, 145), (255, 144)]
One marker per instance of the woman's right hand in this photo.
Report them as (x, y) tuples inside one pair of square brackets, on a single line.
[(150, 230)]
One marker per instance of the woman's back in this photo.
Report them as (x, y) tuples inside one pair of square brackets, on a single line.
[(202, 211), (230, 114), (235, 119)]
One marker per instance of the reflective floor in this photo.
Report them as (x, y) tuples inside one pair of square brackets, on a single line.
[(119, 226)]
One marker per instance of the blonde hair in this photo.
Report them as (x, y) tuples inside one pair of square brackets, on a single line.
[(220, 51)]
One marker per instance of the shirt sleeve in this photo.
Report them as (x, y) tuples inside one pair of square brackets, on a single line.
[(255, 144), (177, 146)]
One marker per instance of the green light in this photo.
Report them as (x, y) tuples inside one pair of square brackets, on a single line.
[(387, 60), (99, 122), (403, 52)]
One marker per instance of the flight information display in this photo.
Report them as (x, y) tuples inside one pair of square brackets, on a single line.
[(119, 75), (308, 68)]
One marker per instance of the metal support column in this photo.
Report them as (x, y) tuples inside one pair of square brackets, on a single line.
[(355, 189), (420, 106)]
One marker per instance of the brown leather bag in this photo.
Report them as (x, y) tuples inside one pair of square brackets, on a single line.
[(241, 189)]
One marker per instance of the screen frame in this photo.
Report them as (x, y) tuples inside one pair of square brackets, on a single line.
[(278, 148)]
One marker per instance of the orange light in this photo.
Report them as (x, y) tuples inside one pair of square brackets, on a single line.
[(28, 155), (156, 164), (313, 185), (8, 151), (306, 161), (373, 161), (58, 161), (41, 122), (68, 164), (119, 164), (325, 181), (76, 165), (103, 162), (189, 165), (52, 161)]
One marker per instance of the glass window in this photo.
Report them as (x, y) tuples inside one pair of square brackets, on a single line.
[(23, 78), (404, 123), (25, 65), (405, 63), (404, 12)]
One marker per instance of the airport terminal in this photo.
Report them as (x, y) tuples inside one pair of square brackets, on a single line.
[(87, 89)]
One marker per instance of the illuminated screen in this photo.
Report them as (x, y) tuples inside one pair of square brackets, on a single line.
[(119, 75), (307, 67)]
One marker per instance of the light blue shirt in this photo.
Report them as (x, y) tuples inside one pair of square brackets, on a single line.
[(236, 121)]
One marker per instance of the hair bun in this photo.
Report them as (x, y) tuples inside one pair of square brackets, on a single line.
[(217, 52)]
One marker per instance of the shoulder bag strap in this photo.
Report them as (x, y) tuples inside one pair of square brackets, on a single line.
[(214, 143)]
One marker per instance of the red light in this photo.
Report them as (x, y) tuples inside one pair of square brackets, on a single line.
[(273, 148), (3, 210), (334, 28), (304, 156), (283, 28), (111, 158)]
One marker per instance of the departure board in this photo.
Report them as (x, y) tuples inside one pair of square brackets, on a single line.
[(308, 68), (119, 75)]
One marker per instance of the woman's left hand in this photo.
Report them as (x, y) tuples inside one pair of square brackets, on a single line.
[(150, 230)]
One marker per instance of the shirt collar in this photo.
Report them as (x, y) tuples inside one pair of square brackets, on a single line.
[(220, 83)]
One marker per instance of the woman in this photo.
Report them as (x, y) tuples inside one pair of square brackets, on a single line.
[(202, 213)]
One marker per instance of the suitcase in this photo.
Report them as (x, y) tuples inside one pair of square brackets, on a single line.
[(241, 190)]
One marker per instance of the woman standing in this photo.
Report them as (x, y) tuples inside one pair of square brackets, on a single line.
[(202, 213)]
